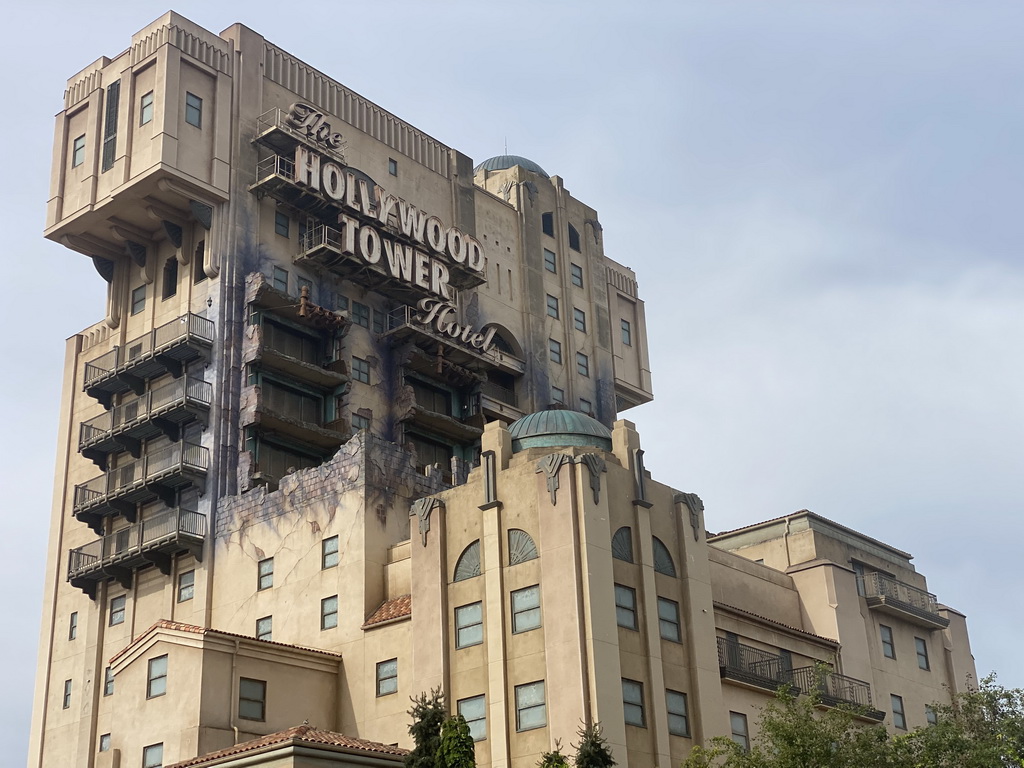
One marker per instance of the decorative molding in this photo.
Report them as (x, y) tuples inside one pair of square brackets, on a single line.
[(488, 460), (202, 212), (595, 465), (422, 509), (550, 465), (696, 507), (640, 479)]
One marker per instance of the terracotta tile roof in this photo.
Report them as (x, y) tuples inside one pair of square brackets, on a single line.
[(180, 627), (774, 622), (299, 734), (391, 610)]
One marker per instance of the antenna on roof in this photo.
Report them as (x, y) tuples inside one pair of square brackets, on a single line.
[(506, 145)]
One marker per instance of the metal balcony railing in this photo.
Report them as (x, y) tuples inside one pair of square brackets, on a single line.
[(275, 130), (275, 165), (893, 596), (752, 665), (834, 689), (498, 392)]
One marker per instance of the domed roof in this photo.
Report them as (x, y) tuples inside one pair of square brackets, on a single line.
[(559, 427), (501, 162)]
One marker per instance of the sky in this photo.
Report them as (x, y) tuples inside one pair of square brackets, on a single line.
[(821, 200)]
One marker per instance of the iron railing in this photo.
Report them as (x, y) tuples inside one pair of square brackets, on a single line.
[(187, 390), (500, 393), (405, 317), (275, 165), (320, 236), (880, 585), (752, 665), (184, 328), (832, 688)]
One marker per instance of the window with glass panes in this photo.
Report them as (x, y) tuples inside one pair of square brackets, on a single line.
[(156, 684), (531, 710), (625, 606), (668, 620), (526, 609), (474, 711), (329, 612), (265, 573), (387, 677), (329, 552), (469, 625), (633, 702), (678, 717), (252, 699)]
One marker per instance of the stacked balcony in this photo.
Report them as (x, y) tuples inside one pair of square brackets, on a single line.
[(154, 541), (896, 598), (752, 666), (834, 690)]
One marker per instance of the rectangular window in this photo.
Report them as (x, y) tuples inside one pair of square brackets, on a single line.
[(668, 620), (552, 306), (888, 646), (922, 653), (153, 756), (378, 321), (392, 166), (899, 719), (66, 703), (930, 715), (547, 223), (110, 124), (387, 677), (156, 684), (329, 552), (73, 625), (282, 224), (281, 279), (329, 612), (549, 261), (475, 712), (469, 625), (78, 151), (555, 351), (586, 406), (361, 370), (627, 333), (557, 395), (360, 314), (138, 299), (105, 742), (170, 287), (678, 717), (108, 682), (526, 609), (252, 699), (576, 273), (359, 421), (265, 628), (738, 722), (199, 264), (858, 571), (625, 606), (193, 110), (582, 364), (633, 702), (579, 319), (117, 606), (186, 586), (265, 579), (531, 712), (146, 108)]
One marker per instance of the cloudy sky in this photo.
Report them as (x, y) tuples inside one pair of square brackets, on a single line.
[(822, 202)]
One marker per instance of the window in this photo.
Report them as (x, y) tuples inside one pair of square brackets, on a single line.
[(663, 562), (108, 682), (387, 677), (625, 606), (252, 699), (359, 421), (668, 620), (281, 279), (555, 351), (521, 547), (922, 653), (78, 151), (199, 264), (888, 646), (117, 610), (530, 709), (633, 702), (579, 319), (105, 742), (627, 333), (576, 273), (526, 609), (469, 625), (931, 715), (899, 719), (468, 564), (858, 570), (361, 370), (582, 364), (304, 282), (282, 224), (156, 683), (170, 281), (329, 552), (110, 124), (73, 625), (66, 703), (329, 612), (146, 108), (547, 223), (678, 718), (574, 238), (475, 712), (265, 628), (392, 166), (549, 261), (265, 580), (153, 756), (360, 314), (557, 395), (138, 299), (738, 722), (622, 544), (186, 586), (378, 321), (586, 406), (552, 306), (193, 110)]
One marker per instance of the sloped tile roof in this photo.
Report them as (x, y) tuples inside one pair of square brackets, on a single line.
[(391, 610)]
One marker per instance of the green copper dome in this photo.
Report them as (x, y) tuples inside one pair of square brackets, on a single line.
[(501, 162), (559, 428)]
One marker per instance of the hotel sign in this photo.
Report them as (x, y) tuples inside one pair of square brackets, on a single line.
[(440, 316)]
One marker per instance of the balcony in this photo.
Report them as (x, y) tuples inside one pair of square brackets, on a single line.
[(275, 131), (896, 598), (835, 690), (494, 402), (160, 411), (752, 666), (165, 349), (156, 475), (154, 541)]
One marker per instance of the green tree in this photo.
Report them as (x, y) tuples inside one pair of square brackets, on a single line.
[(592, 751), (456, 749), (554, 758), (428, 713)]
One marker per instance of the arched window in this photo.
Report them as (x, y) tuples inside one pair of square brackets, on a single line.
[(520, 547), (468, 564), (662, 558), (622, 545)]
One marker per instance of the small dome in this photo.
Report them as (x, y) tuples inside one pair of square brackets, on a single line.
[(501, 162), (558, 428)]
